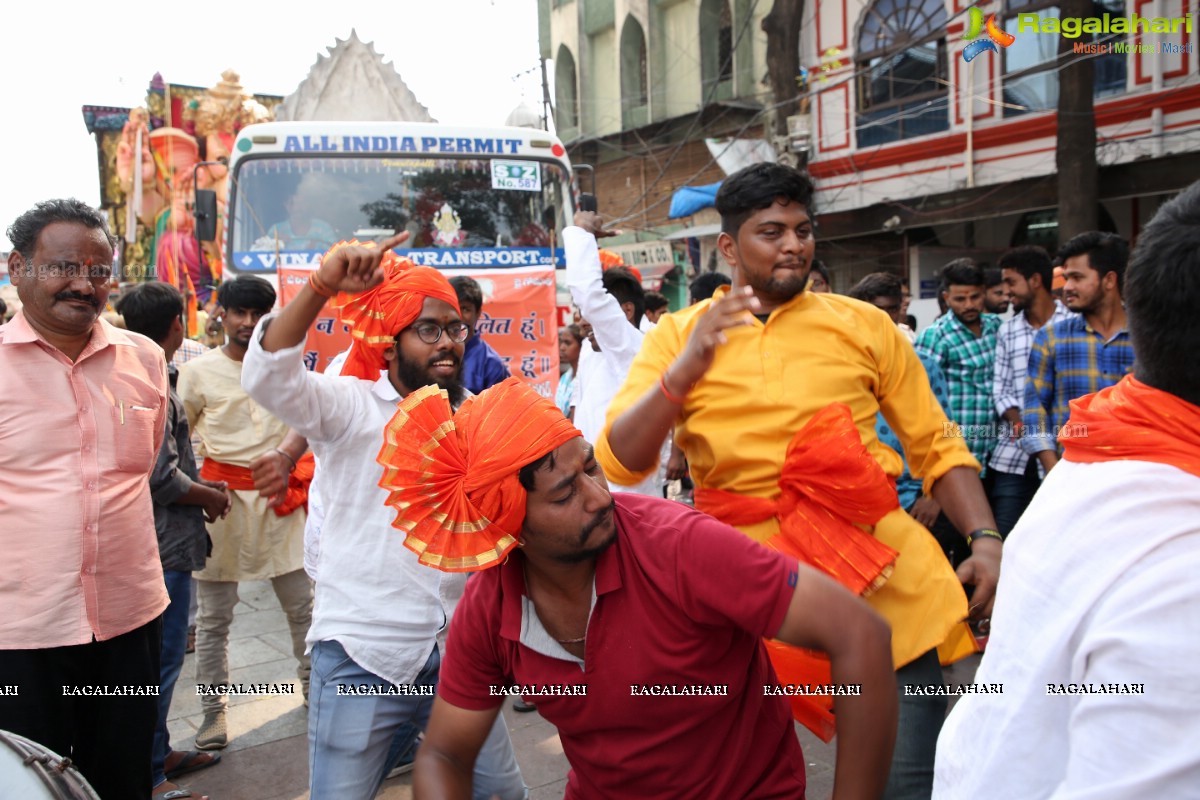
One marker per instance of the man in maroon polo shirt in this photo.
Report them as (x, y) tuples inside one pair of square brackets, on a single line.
[(637, 623)]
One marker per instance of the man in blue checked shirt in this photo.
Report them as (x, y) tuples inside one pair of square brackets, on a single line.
[(1083, 354), (963, 345), (1028, 274)]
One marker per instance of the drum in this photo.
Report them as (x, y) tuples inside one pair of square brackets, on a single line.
[(30, 771)]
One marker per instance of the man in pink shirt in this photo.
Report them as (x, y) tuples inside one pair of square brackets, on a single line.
[(82, 414)]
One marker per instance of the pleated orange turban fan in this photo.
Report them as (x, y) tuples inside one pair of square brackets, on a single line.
[(377, 315), (452, 478)]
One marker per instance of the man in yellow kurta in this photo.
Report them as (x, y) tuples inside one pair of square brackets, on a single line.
[(255, 541), (738, 375)]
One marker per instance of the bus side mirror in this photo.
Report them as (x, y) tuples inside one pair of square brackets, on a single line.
[(587, 202), (206, 215)]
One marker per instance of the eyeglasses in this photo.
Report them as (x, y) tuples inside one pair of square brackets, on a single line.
[(96, 273), (431, 332)]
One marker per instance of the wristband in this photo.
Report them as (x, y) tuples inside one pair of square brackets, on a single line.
[(318, 286), (289, 458), (983, 533), (674, 398)]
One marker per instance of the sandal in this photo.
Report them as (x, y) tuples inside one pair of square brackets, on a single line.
[(175, 792), (191, 761)]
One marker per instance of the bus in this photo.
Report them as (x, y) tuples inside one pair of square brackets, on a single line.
[(486, 201), (470, 197)]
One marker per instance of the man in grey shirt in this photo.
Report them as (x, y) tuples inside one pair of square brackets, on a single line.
[(182, 502)]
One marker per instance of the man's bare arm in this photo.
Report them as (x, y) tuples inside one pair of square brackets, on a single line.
[(270, 471), (824, 615), (960, 494), (446, 761)]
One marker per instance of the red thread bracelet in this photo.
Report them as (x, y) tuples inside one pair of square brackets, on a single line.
[(662, 384)]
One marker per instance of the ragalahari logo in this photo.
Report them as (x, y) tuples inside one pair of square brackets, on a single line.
[(976, 26)]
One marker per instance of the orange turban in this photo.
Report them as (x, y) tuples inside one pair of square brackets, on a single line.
[(611, 258), (453, 478), (377, 315)]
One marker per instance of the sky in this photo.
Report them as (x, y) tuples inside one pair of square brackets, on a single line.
[(459, 57)]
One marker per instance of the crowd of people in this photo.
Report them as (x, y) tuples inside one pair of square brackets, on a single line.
[(856, 484)]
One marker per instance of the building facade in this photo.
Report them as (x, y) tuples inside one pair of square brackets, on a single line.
[(930, 134)]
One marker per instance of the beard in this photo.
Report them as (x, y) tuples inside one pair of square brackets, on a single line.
[(579, 556), (415, 374), (1082, 304), (780, 289)]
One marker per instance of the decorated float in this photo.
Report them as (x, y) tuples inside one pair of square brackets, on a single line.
[(152, 158)]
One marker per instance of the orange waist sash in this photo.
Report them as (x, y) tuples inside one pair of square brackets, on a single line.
[(829, 485), (240, 479)]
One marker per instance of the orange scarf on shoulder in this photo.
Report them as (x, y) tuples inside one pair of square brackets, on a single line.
[(1133, 422)]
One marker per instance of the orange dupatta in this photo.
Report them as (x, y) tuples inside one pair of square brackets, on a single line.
[(238, 479)]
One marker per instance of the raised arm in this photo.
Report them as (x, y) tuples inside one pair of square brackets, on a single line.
[(619, 340), (346, 269), (446, 761), (315, 406)]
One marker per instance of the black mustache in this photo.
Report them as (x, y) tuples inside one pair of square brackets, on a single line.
[(83, 298), (444, 356), (596, 521)]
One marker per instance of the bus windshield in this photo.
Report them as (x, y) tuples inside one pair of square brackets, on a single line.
[(306, 203)]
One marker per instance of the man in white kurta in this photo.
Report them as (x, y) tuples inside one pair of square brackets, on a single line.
[(378, 611), (618, 338)]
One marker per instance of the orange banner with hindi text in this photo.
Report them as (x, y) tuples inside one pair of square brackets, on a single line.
[(519, 321)]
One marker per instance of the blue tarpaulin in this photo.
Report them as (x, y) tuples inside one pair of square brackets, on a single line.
[(690, 199)]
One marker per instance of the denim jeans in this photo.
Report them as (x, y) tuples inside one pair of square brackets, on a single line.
[(404, 746), (350, 737), (1012, 494), (921, 717), (174, 640)]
